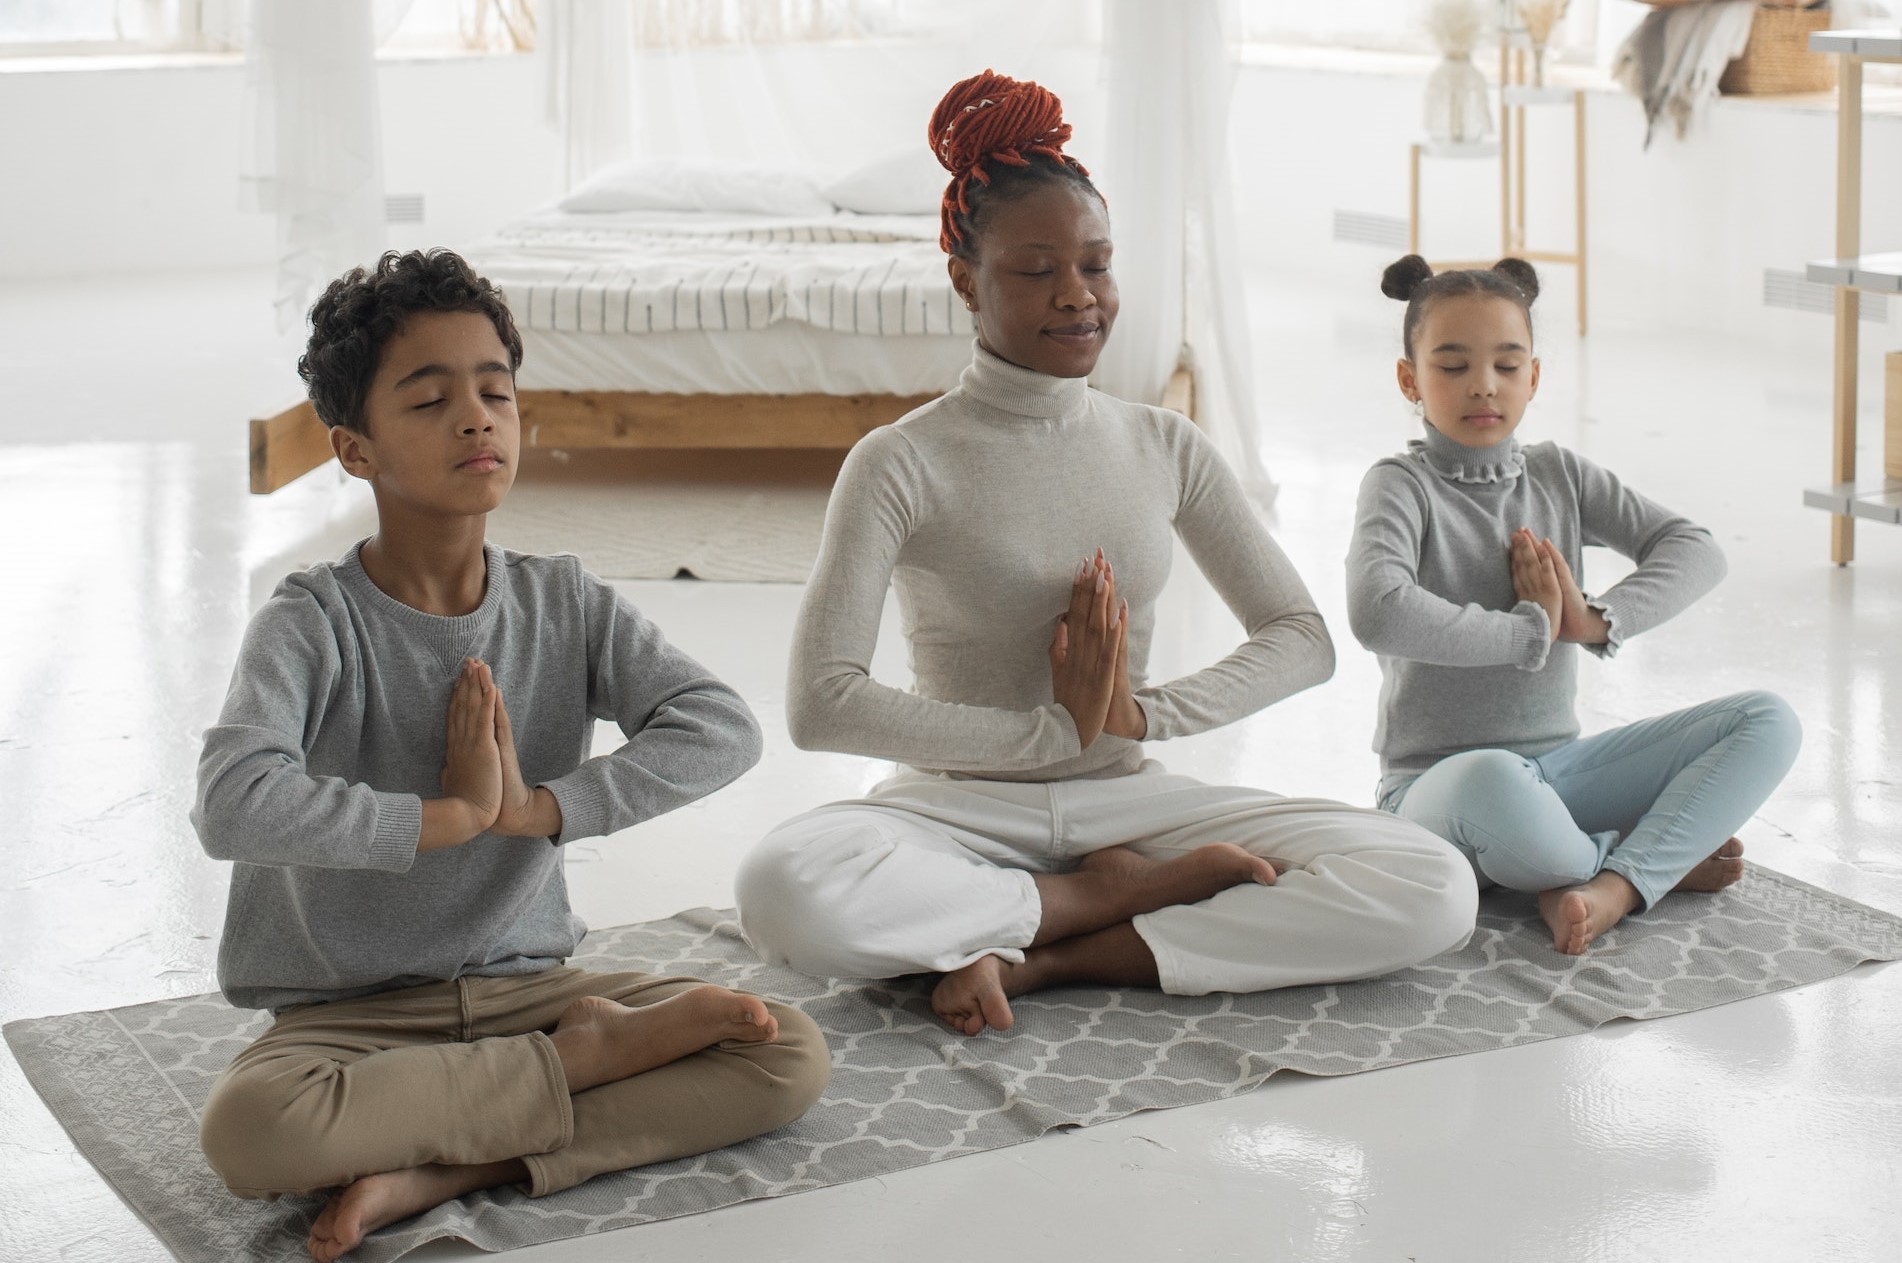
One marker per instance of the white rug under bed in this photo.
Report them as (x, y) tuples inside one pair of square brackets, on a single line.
[(753, 517), (128, 1083)]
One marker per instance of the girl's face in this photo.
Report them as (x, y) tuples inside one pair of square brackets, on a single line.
[(1473, 368), (1040, 285)]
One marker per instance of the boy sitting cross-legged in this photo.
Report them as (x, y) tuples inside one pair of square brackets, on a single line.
[(403, 751)]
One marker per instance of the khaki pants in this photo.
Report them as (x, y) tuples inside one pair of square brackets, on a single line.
[(464, 1072)]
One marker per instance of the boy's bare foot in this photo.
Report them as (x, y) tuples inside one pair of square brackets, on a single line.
[(359, 1209), (1723, 867), (1577, 915), (600, 1041), (1115, 884), (977, 996)]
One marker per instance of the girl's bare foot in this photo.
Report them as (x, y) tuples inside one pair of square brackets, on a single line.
[(359, 1209), (1723, 867), (600, 1041), (1577, 915), (977, 996)]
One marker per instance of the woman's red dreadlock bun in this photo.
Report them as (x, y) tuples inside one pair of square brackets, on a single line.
[(992, 118)]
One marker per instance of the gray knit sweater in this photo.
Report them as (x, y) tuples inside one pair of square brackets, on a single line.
[(978, 508), (332, 734), (1464, 663)]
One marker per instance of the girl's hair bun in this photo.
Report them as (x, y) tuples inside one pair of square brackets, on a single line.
[(1520, 273), (995, 116), (1405, 276)]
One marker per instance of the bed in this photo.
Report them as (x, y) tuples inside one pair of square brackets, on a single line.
[(759, 318)]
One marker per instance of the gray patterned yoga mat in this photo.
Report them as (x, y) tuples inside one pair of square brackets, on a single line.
[(127, 1083)]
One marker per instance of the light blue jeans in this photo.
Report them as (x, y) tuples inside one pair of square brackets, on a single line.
[(1672, 788)]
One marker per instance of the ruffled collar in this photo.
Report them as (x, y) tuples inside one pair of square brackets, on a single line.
[(1022, 391), (1502, 462)]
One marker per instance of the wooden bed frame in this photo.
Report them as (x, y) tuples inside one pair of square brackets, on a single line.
[(291, 443)]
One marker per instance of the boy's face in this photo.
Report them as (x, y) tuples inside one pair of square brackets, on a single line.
[(443, 432)]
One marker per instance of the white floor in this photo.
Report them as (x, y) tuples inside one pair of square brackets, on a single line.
[(1769, 1129)]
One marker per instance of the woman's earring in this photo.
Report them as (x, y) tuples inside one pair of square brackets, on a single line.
[(1419, 408)]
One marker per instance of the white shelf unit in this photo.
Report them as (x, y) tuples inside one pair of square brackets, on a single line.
[(1846, 498)]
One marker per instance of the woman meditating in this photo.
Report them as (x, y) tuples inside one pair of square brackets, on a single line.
[(1026, 522)]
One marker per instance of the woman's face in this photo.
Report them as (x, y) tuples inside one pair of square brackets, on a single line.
[(1473, 368), (1040, 283)]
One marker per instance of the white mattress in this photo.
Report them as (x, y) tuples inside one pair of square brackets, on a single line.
[(730, 304), (787, 359)]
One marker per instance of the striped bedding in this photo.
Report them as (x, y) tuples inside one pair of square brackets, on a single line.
[(654, 272)]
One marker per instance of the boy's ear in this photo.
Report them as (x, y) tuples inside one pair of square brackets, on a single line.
[(1410, 384), (353, 452)]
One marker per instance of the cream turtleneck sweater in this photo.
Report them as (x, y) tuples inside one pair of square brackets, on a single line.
[(978, 508), (1464, 663)]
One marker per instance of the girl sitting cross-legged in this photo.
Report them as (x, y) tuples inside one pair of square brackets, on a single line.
[(1461, 577)]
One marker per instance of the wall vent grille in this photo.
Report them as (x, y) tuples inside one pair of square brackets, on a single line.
[(1364, 228), (403, 208)]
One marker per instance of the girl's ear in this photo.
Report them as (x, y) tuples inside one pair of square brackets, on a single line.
[(1534, 388), (1410, 383), (353, 452)]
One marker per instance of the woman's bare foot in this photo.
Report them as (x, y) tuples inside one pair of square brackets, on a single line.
[(1723, 867), (600, 1041), (977, 996), (1577, 915), (1115, 884), (359, 1209)]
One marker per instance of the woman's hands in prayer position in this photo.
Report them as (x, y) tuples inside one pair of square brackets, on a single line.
[(1089, 658)]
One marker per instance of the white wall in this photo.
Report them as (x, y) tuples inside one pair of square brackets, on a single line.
[(1680, 235), (116, 170)]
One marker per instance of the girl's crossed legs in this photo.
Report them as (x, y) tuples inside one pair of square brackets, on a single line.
[(1611, 823)]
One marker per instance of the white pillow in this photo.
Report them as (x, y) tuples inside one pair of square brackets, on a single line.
[(698, 184), (905, 181)]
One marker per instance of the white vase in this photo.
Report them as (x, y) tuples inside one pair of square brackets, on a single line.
[(1458, 110)]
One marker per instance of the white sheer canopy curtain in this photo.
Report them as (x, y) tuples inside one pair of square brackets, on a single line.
[(1170, 74), (587, 51), (315, 157)]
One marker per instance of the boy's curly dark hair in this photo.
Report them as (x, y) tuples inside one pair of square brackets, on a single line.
[(363, 309)]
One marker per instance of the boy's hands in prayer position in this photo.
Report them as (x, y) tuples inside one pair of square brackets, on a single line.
[(481, 781)]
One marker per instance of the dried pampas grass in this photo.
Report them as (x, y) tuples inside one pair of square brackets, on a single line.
[(1539, 17), (1455, 25)]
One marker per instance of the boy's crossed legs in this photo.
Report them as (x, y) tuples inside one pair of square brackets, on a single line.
[(407, 1099)]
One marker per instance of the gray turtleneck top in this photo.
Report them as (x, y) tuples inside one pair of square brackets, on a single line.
[(978, 508), (1464, 663)]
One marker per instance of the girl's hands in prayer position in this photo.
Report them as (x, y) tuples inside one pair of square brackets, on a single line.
[(1534, 578), (1578, 622), (1087, 650)]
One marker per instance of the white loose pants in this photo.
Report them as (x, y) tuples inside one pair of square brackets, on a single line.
[(928, 873)]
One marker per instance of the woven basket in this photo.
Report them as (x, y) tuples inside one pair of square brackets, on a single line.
[(1778, 60)]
